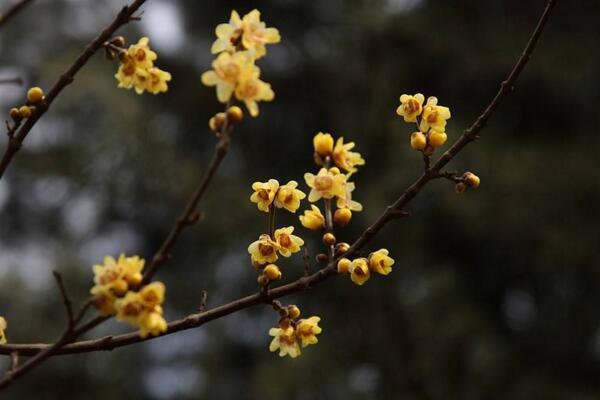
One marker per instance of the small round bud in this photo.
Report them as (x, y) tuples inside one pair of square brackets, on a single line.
[(216, 122), (471, 179), (118, 41), (341, 248), (460, 187), (342, 216), (109, 54), (120, 287), (262, 280), (343, 266), (14, 113), (293, 311), (272, 272), (35, 95), (235, 114), (25, 112), (135, 279), (329, 239), (323, 143), (436, 138), (322, 258), (418, 141)]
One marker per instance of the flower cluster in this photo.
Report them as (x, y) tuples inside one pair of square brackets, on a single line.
[(430, 118), (294, 333), (3, 326), (35, 96), (270, 193), (239, 44), (136, 69), (116, 293), (360, 268)]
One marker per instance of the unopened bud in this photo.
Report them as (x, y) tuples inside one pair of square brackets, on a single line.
[(342, 216), (35, 95), (322, 258), (343, 266), (418, 141), (341, 248), (460, 187), (471, 179), (235, 114), (329, 239), (25, 112)]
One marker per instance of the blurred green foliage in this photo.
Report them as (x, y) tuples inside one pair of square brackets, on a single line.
[(495, 292)]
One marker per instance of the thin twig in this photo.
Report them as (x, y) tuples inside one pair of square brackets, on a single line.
[(203, 299), (13, 10), (16, 137), (65, 298), (195, 320), (14, 81)]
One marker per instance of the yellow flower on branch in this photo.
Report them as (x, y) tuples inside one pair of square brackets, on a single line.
[(228, 34), (157, 80), (434, 116), (137, 70), (380, 262), (344, 158), (256, 34), (284, 340), (104, 300), (287, 243), (141, 54), (227, 72), (359, 271), (143, 309), (130, 308), (264, 193), (323, 144), (289, 197), (410, 107), (3, 326), (263, 251), (313, 219), (307, 330), (118, 275), (251, 90), (152, 323), (325, 185), (346, 201), (153, 294)]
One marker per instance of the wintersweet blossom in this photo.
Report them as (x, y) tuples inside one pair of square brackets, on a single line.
[(284, 340), (263, 251), (287, 243), (359, 271), (228, 70), (256, 35), (380, 262), (264, 193), (118, 275), (344, 158), (307, 330), (137, 70), (289, 197), (325, 185), (410, 107), (228, 34), (3, 326), (251, 90), (434, 116), (346, 201), (323, 144), (143, 309), (312, 219)]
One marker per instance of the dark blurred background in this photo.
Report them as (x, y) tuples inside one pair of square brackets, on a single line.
[(494, 294)]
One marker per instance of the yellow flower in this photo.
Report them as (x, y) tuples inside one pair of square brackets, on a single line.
[(325, 185), (228, 34), (312, 219), (380, 262), (152, 323), (272, 272), (359, 271), (152, 294), (264, 193), (418, 141), (344, 158), (251, 89), (434, 116), (284, 340), (227, 71), (157, 80), (471, 179), (117, 275), (410, 107), (346, 201), (263, 251), (3, 326), (130, 308), (342, 216), (307, 330), (287, 243), (104, 300), (323, 144), (256, 34), (141, 55), (289, 197), (343, 266)]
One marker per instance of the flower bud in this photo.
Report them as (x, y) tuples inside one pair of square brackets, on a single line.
[(471, 179), (418, 141), (460, 187), (343, 266), (120, 287), (25, 112), (35, 95), (293, 311), (14, 113), (216, 122), (329, 239), (135, 279), (118, 41), (342, 216), (235, 114), (322, 258), (436, 138), (262, 280), (272, 272), (341, 248), (323, 143)]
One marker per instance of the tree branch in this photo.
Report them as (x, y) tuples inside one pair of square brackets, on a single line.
[(18, 133), (13, 10)]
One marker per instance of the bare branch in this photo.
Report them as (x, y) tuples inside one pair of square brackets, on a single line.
[(13, 10), (66, 300), (9, 81)]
